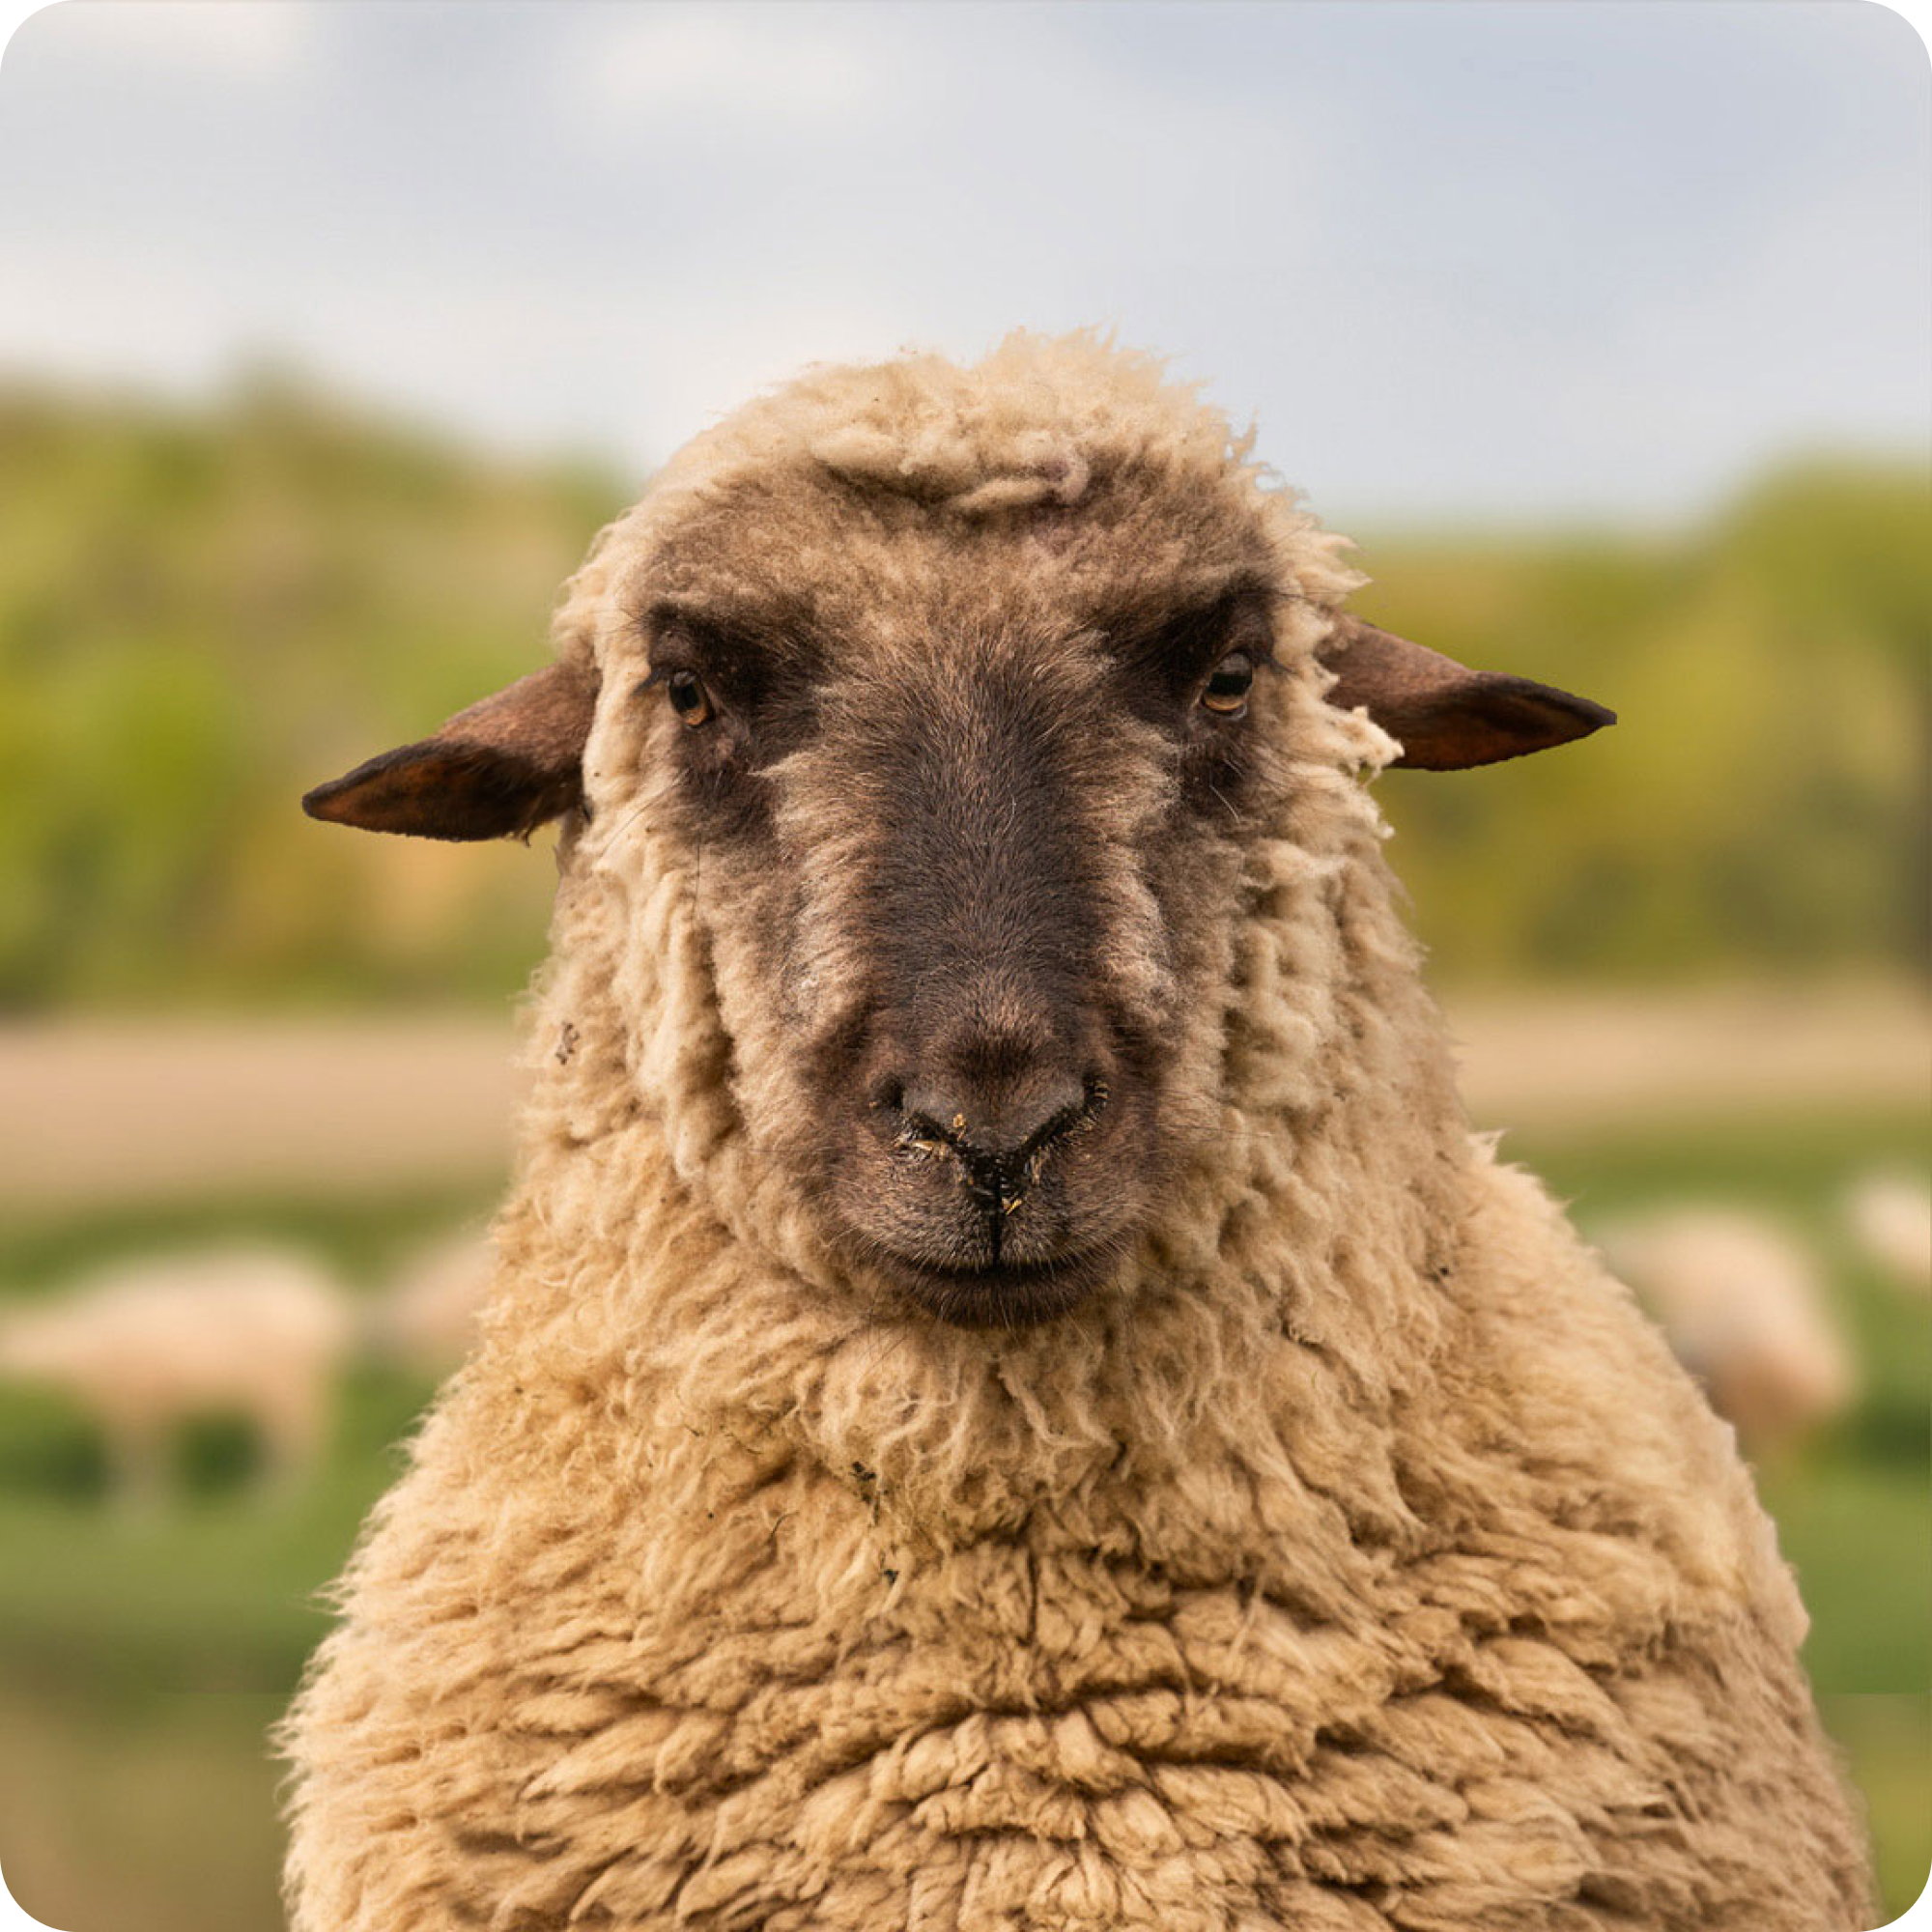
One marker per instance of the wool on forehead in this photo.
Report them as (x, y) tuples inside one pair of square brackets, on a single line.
[(1042, 425), (1030, 423)]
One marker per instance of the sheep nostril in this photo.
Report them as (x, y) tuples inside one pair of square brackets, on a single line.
[(998, 1121), (916, 1136), (888, 1097), (998, 1138)]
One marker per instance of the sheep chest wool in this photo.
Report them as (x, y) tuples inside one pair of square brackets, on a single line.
[(1011, 1396)]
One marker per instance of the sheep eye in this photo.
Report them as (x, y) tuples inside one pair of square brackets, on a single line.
[(1228, 684), (687, 696)]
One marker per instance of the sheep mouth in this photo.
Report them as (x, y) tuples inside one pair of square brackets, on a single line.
[(1004, 1295)]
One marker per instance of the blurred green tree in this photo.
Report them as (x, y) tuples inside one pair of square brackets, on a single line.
[(203, 613), (1761, 807)]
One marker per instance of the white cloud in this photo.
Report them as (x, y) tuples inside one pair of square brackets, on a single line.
[(605, 224), (226, 40), (752, 63)]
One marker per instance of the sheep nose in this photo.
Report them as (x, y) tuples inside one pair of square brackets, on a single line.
[(1000, 1133)]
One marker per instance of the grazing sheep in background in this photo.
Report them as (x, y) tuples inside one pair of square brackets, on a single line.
[(146, 1345), (1890, 1219), (1744, 1307), (1011, 1396), (427, 1320)]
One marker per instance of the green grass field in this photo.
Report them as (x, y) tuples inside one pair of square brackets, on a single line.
[(143, 1655)]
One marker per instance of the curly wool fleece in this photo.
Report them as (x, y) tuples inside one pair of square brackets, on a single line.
[(1359, 1560)]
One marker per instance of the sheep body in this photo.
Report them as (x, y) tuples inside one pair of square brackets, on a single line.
[(1743, 1305), (1890, 1219), (147, 1345), (427, 1320), (1359, 1560)]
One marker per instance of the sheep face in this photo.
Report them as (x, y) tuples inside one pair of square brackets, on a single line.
[(968, 853), (959, 705)]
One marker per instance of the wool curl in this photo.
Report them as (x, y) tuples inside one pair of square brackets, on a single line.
[(1358, 1560)]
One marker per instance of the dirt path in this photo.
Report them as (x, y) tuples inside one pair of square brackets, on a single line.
[(121, 1111), (1562, 1062), (101, 1111)]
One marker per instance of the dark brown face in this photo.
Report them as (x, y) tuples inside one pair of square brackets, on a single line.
[(971, 872)]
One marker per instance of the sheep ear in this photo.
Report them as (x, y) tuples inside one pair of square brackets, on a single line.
[(501, 767), (1445, 716)]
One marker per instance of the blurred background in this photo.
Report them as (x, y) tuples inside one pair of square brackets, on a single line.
[(331, 334)]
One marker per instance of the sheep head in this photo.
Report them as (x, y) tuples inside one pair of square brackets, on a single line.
[(962, 699)]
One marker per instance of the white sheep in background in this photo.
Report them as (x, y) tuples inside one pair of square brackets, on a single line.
[(427, 1318), (1010, 1396), (146, 1344), (1744, 1307), (1889, 1216)]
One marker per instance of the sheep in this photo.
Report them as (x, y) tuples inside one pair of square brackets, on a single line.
[(1010, 1395), (427, 1321), (1889, 1216), (149, 1344), (1743, 1306)]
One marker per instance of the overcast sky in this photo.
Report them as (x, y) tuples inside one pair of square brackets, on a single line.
[(1526, 259)]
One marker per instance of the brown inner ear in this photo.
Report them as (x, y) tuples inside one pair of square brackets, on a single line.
[(1446, 715), (502, 767)]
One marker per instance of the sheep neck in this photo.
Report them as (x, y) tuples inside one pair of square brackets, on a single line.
[(1291, 1294)]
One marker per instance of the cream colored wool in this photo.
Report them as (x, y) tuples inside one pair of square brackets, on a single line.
[(1359, 1560)]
